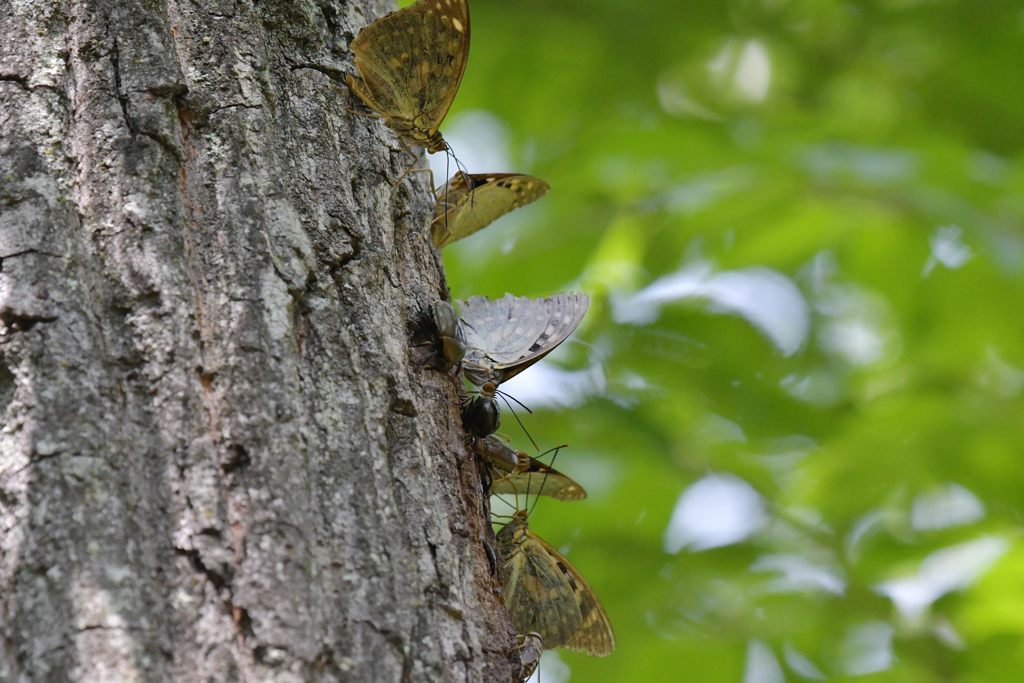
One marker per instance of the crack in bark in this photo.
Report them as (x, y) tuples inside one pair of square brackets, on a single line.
[(330, 17), (5, 476), (243, 629), (122, 96), (325, 662), (233, 105), (390, 636), (164, 143), (25, 252), (193, 113), (400, 404), (14, 321), (335, 74), (15, 78), (354, 243), (105, 627), (239, 615), (217, 580)]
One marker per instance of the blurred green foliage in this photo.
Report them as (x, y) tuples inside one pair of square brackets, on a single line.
[(835, 191)]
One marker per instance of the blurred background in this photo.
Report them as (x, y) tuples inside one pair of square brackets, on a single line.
[(796, 400)]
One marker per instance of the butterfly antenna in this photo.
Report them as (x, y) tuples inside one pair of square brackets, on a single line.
[(447, 179), (496, 515), (544, 480), (516, 496), (518, 402), (516, 416), (459, 166), (508, 504), (369, 114), (529, 479), (553, 450)]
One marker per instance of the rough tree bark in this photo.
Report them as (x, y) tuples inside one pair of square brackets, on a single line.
[(218, 459)]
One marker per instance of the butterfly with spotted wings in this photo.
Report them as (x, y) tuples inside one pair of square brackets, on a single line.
[(546, 594), (506, 336), (410, 64), (469, 202)]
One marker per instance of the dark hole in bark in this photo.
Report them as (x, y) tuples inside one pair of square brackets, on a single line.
[(7, 387)]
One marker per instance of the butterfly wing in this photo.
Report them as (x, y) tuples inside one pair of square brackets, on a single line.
[(537, 593), (595, 635), (565, 311), (535, 478), (445, 33), (411, 62), (505, 336), (383, 62), (495, 329), (467, 207), (500, 457), (451, 194), (449, 197)]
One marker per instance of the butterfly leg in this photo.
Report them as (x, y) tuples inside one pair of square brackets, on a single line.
[(368, 114), (412, 169)]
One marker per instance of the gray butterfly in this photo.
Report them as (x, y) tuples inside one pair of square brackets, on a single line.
[(505, 336)]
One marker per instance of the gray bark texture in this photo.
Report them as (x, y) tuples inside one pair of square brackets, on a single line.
[(219, 458)]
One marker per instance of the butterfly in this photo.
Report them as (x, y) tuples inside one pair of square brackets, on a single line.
[(505, 336), (545, 594), (410, 65), (517, 473), (470, 202)]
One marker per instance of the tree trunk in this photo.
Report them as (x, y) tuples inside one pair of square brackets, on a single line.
[(219, 460)]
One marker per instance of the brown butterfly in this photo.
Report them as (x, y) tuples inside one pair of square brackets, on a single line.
[(517, 473), (411, 63), (470, 202), (505, 336), (546, 594)]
